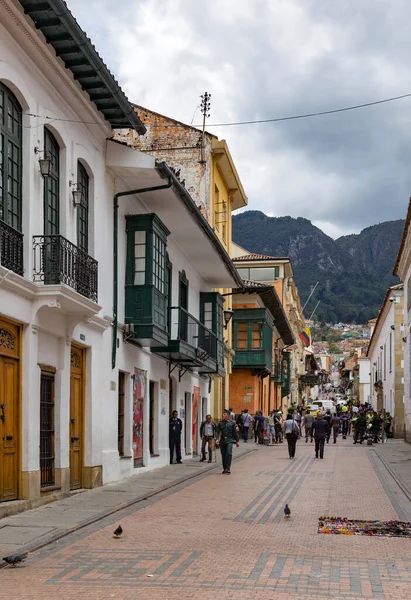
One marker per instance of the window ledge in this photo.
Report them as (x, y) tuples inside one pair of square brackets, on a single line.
[(50, 488), (125, 457)]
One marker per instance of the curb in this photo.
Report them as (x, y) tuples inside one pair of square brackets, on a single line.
[(58, 536)]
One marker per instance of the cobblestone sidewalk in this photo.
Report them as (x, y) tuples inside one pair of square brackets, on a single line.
[(225, 536), (37, 527)]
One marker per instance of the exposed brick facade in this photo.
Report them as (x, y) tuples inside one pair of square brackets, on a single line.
[(179, 146)]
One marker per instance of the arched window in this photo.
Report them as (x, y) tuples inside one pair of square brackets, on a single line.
[(82, 209), (10, 158), (52, 185)]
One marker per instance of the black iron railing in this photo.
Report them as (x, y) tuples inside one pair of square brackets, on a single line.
[(187, 328), (11, 248), (56, 261)]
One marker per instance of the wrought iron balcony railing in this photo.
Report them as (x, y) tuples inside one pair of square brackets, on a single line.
[(56, 261), (184, 327), (11, 248)]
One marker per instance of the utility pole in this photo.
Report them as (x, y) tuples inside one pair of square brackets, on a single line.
[(205, 107)]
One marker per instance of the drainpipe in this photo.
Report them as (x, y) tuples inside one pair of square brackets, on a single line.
[(115, 256)]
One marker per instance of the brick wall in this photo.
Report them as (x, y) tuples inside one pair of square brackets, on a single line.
[(180, 147)]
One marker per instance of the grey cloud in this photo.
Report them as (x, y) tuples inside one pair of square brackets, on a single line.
[(287, 58)]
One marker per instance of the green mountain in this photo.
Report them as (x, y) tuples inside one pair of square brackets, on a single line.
[(353, 271)]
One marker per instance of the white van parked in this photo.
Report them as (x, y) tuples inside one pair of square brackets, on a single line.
[(325, 405)]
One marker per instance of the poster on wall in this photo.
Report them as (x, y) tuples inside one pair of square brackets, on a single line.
[(196, 401), (140, 382)]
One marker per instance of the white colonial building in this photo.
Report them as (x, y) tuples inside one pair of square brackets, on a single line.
[(402, 268), (108, 319), (385, 354)]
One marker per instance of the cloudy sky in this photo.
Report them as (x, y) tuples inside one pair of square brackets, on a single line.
[(273, 58)]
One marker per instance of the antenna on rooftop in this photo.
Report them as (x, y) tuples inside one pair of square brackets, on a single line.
[(205, 108)]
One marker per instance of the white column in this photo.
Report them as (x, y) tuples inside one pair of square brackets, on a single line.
[(62, 405), (30, 401), (93, 409)]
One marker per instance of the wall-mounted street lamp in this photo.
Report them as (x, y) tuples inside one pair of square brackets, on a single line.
[(44, 163), (76, 192), (228, 315)]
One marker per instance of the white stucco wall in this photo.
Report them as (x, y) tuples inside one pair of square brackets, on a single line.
[(44, 87)]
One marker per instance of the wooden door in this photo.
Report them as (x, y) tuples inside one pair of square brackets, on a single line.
[(76, 417), (9, 411)]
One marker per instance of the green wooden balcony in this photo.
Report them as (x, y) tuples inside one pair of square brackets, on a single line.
[(253, 359), (286, 371), (190, 344), (253, 339), (146, 315), (277, 373)]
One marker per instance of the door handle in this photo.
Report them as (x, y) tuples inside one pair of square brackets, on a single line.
[(9, 438), (2, 416), (75, 439)]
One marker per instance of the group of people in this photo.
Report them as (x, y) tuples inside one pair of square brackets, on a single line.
[(273, 425), (317, 427), (223, 435)]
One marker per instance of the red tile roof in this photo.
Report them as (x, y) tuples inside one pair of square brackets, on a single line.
[(257, 257)]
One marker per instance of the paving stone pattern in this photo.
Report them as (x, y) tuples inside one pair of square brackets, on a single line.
[(225, 536)]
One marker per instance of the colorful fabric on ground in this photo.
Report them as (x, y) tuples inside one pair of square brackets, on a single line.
[(343, 526)]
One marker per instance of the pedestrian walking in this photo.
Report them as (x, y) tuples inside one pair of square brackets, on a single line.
[(292, 433), (246, 419), (375, 426), (297, 417), (260, 426), (278, 427), (255, 423), (271, 428), (344, 422), (327, 417), (335, 426), (320, 430), (208, 430), (174, 437), (308, 423), (359, 427), (227, 436)]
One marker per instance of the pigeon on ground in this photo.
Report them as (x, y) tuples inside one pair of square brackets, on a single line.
[(15, 559), (118, 532), (287, 511)]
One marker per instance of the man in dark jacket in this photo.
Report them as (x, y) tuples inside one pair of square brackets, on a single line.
[(321, 430), (335, 424), (175, 429), (208, 434), (228, 435), (376, 426), (327, 417), (360, 426)]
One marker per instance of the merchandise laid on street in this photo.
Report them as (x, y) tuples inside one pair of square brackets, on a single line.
[(338, 525)]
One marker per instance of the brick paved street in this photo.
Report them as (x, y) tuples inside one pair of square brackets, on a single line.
[(225, 536)]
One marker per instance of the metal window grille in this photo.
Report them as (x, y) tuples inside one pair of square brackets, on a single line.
[(47, 430), (121, 394)]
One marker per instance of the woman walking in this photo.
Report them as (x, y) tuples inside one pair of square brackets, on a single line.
[(292, 433)]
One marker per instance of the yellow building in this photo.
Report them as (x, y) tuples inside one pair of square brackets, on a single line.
[(226, 195)]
